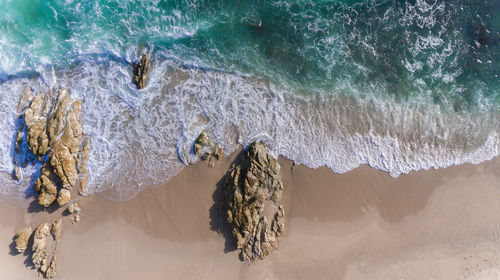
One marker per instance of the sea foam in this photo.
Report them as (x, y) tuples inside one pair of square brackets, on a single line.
[(139, 138)]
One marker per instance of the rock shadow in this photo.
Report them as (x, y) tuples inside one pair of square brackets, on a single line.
[(218, 216), (28, 262)]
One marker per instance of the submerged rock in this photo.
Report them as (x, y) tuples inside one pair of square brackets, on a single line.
[(140, 71), (22, 238), (252, 200), (57, 132)]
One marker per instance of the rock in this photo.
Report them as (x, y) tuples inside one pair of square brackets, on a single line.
[(36, 123), (58, 132), (65, 123), (51, 270), (206, 150), (56, 229), (39, 248), (76, 219), (140, 71), (22, 238), (45, 185), (201, 142), (253, 188), (82, 166), (74, 208), (17, 173), (219, 152), (25, 99), (64, 197)]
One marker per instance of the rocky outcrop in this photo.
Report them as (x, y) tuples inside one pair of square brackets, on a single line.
[(39, 248), (206, 150), (57, 131), (252, 200), (140, 71), (22, 238)]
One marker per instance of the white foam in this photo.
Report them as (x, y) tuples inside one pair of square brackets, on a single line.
[(144, 137)]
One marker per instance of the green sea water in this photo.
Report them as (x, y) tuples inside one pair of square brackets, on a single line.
[(433, 51), (400, 85)]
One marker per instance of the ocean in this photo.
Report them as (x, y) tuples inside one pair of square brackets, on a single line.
[(397, 85)]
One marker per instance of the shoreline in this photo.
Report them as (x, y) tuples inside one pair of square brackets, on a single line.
[(364, 223)]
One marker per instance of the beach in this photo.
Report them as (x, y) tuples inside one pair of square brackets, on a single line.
[(364, 224)]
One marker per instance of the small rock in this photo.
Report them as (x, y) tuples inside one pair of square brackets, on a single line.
[(206, 151), (22, 238), (140, 71), (64, 197), (74, 208), (17, 173), (76, 219), (56, 229), (219, 152)]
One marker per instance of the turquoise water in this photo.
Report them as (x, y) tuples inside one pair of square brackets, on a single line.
[(398, 85)]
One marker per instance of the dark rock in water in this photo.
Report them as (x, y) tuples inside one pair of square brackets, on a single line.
[(252, 200), (141, 70), (481, 34)]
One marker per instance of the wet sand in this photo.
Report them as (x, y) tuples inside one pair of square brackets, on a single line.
[(435, 224)]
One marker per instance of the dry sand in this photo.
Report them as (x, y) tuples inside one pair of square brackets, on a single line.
[(436, 224)]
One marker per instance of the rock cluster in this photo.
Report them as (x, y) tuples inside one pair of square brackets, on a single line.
[(140, 71), (206, 150), (74, 209), (252, 200), (55, 137), (39, 249)]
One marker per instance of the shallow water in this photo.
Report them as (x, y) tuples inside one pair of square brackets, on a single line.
[(398, 85)]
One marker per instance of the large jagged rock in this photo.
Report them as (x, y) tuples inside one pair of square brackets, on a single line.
[(57, 132), (252, 197), (39, 248), (141, 70), (22, 238)]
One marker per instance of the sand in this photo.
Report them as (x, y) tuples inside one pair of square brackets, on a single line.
[(436, 224)]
